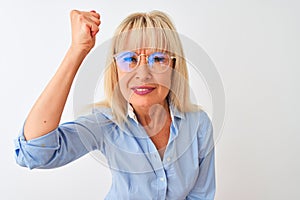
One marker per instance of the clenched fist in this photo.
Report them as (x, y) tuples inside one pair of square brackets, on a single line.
[(85, 26)]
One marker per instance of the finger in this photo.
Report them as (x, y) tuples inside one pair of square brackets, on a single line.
[(94, 29), (95, 14), (93, 26), (96, 20), (87, 29), (95, 33), (90, 25)]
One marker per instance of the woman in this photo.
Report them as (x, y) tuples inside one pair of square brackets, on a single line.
[(157, 144)]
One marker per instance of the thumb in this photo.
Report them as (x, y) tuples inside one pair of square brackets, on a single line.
[(88, 30)]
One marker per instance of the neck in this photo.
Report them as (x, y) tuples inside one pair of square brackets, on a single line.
[(153, 117)]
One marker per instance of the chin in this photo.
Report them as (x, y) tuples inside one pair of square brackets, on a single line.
[(137, 101), (142, 103)]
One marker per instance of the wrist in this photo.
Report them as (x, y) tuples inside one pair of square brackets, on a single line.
[(78, 50), (74, 58)]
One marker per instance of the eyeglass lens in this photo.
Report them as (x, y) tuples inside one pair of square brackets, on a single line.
[(158, 61)]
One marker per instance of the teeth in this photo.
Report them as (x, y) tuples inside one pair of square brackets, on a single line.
[(141, 89)]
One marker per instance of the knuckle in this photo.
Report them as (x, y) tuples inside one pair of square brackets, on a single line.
[(81, 18), (74, 12), (96, 15), (98, 22)]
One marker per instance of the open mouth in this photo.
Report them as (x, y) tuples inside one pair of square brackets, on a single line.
[(143, 90)]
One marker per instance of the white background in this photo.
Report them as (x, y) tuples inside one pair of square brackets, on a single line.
[(255, 46)]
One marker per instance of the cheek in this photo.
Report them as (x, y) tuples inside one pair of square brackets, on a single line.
[(163, 92), (164, 79), (123, 83)]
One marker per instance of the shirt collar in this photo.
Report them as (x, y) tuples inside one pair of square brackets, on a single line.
[(130, 113), (175, 113)]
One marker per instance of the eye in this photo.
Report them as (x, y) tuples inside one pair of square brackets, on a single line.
[(127, 57), (130, 59), (159, 59)]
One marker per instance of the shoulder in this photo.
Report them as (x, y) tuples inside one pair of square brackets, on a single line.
[(204, 118), (102, 112), (98, 115), (200, 121), (195, 116), (200, 116)]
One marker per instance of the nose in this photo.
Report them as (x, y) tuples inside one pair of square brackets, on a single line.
[(143, 72), (143, 59)]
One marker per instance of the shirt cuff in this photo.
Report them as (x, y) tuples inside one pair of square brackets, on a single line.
[(35, 152)]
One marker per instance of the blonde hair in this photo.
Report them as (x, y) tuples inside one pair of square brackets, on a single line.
[(140, 30)]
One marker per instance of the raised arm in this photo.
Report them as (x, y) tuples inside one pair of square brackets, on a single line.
[(46, 113)]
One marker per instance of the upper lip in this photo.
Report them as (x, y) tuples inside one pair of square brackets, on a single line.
[(143, 87)]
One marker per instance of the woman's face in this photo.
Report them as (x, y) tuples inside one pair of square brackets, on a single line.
[(142, 86)]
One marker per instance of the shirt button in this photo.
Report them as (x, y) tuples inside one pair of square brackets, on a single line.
[(168, 159), (162, 179)]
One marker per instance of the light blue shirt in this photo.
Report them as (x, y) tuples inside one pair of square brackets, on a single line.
[(186, 171)]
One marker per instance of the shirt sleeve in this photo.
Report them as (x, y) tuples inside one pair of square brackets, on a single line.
[(66, 143), (205, 186)]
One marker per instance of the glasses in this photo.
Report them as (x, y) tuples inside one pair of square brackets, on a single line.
[(157, 61)]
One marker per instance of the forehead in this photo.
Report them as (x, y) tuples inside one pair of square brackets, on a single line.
[(142, 39)]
